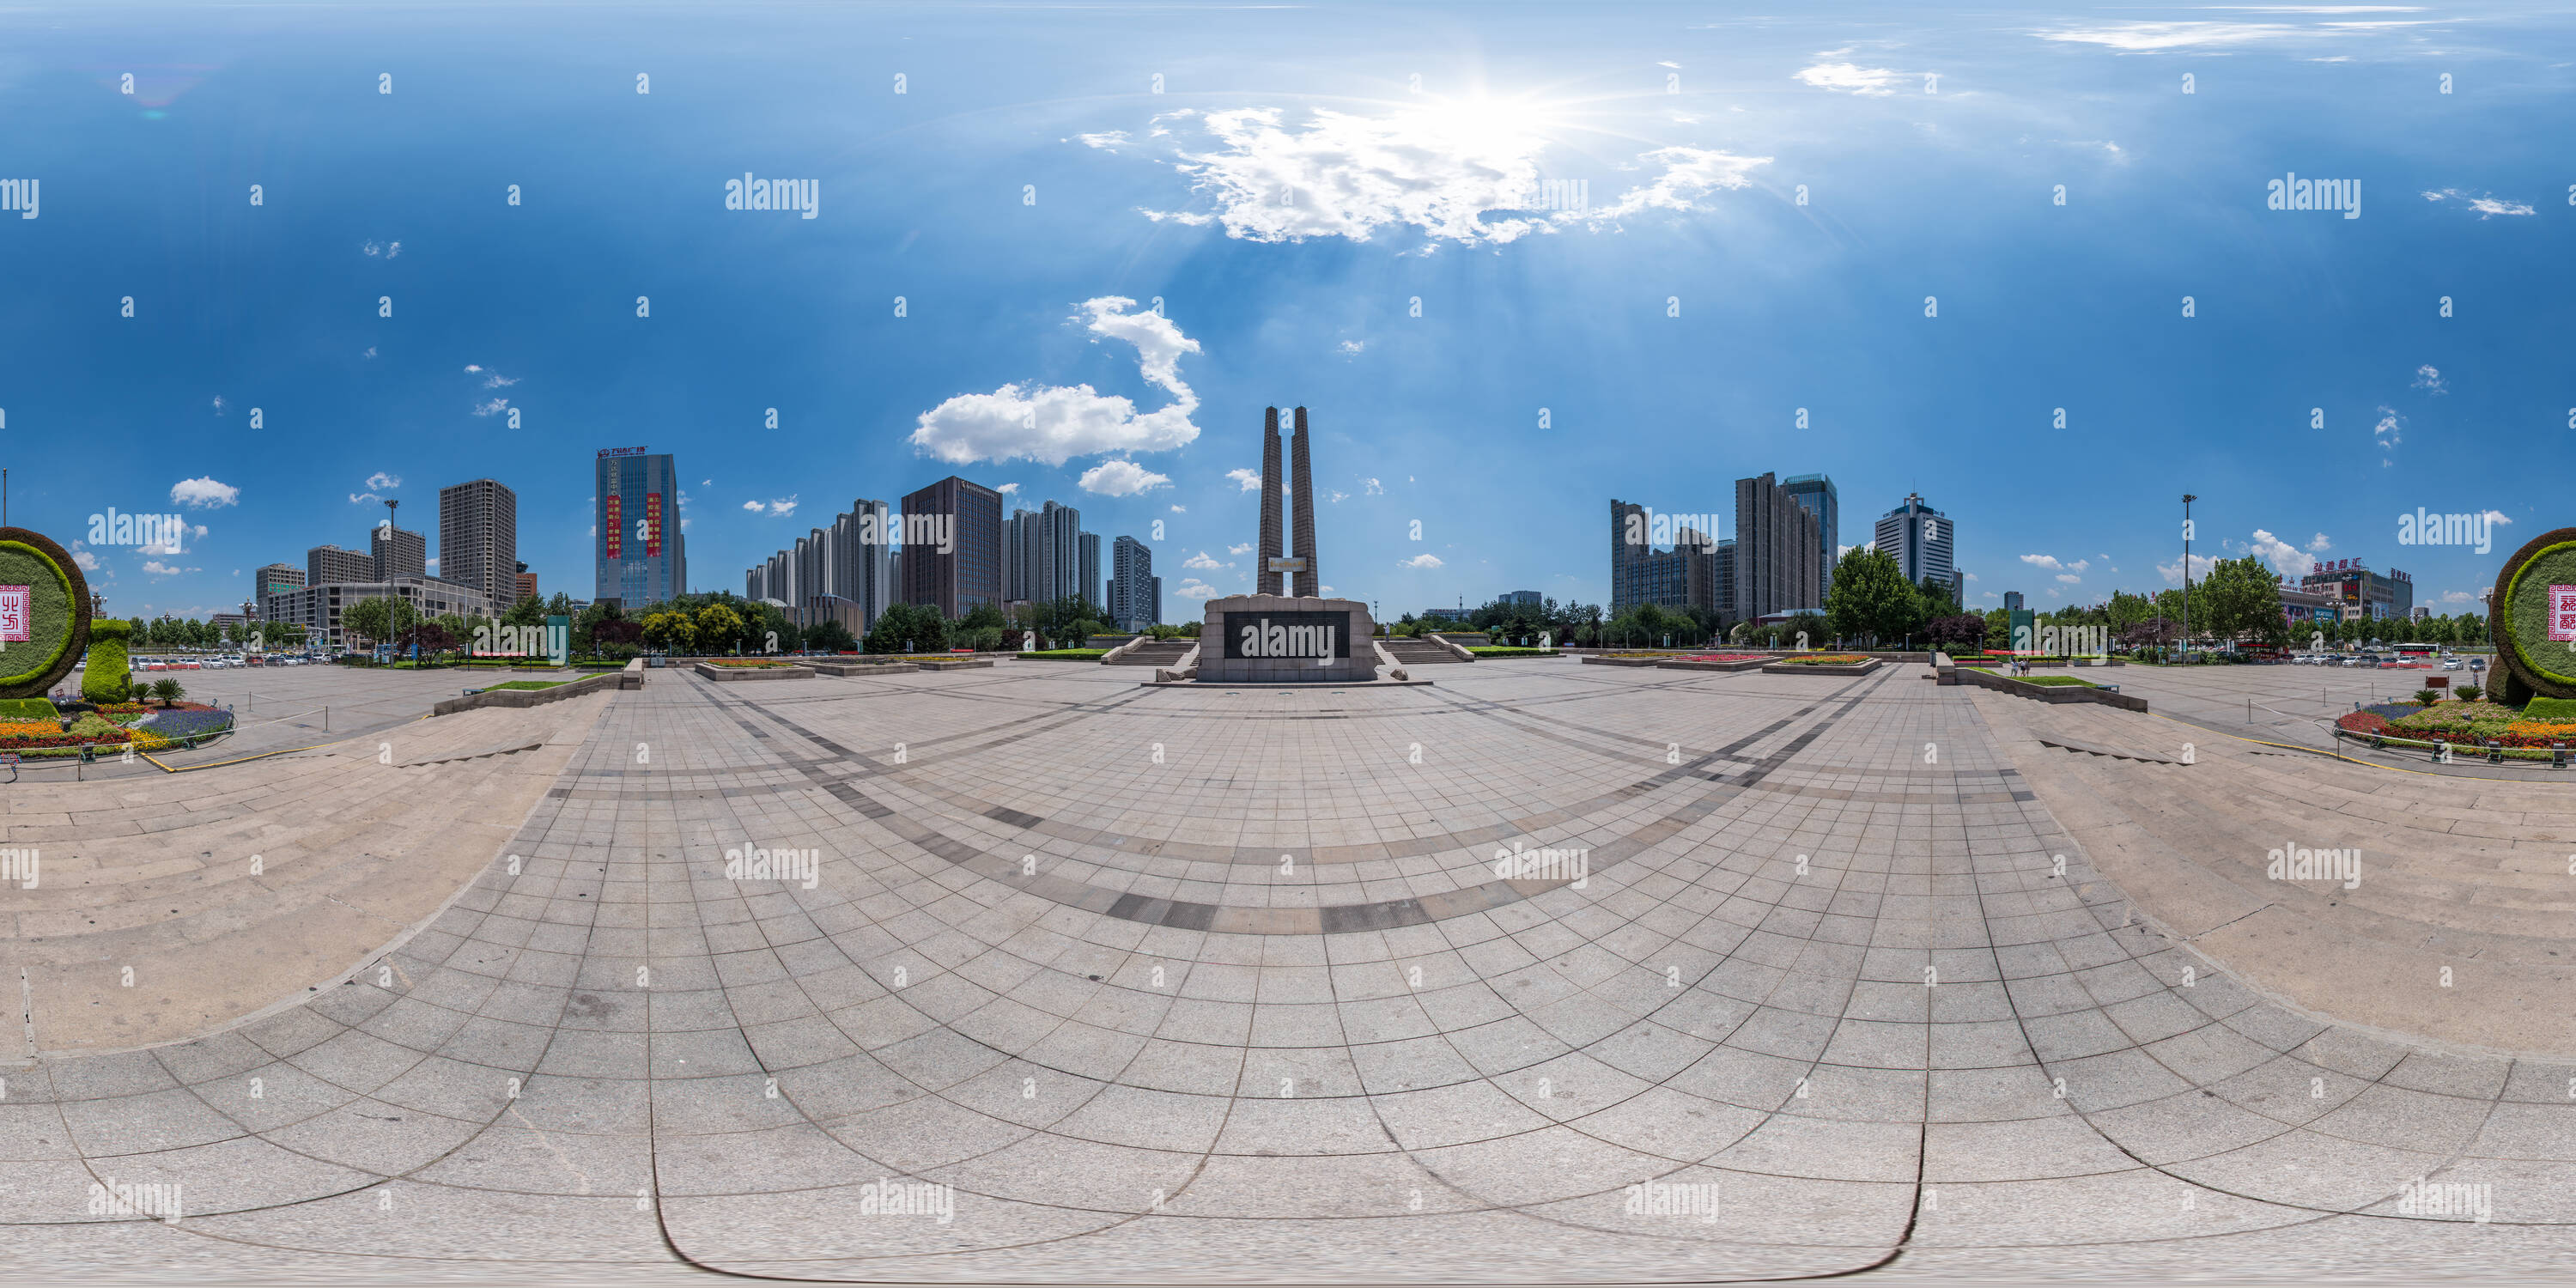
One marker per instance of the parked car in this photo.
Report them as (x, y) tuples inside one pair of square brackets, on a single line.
[(2450, 664)]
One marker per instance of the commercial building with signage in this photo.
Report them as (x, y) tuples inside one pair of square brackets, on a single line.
[(641, 554), (2358, 592)]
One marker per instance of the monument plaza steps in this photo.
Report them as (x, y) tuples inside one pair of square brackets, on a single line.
[(2458, 879), (357, 842), (1155, 653), (1419, 653)]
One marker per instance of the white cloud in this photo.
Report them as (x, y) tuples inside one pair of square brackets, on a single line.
[(2318, 544), (2286, 559), (2068, 578), (2158, 37), (1008, 489), (219, 404), (2488, 207), (1244, 549), (2050, 563), (754, 506), (1423, 560), (2427, 378), (1108, 140), (1180, 509), (88, 562), (491, 379), (371, 352), (203, 493), (2462, 597), (1439, 168), (160, 569), (1351, 348), (1121, 478), (1371, 487), (1193, 588), (2172, 572), (2492, 516), (2388, 433), (1969, 576), (492, 408), (1053, 424), (1250, 479), (712, 483), (1849, 78), (1332, 497), (432, 564), (382, 482), (1201, 560)]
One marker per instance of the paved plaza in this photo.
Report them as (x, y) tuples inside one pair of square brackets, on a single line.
[(1548, 972)]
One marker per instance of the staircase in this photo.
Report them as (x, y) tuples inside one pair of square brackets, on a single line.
[(1413, 653), (1156, 653)]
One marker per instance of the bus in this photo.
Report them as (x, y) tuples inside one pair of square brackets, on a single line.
[(2407, 651)]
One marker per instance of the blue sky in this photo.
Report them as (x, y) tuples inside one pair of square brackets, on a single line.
[(1029, 180)]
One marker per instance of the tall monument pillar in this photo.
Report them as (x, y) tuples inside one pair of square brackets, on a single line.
[(1265, 581), (1302, 479)]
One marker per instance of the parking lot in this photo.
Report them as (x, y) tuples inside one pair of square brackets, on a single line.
[(2276, 702)]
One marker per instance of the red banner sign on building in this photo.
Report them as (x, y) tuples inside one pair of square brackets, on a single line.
[(616, 524), (652, 523)]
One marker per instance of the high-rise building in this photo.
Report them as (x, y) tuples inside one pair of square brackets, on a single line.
[(953, 546), (1087, 566), (1685, 575), (524, 585), (1521, 598), (862, 559), (1722, 576), (1135, 593), (271, 579), (331, 565), (1021, 535), (395, 553), (478, 537), (1816, 493), (1779, 556), (1059, 554), (640, 553), (2012, 599), (1918, 537)]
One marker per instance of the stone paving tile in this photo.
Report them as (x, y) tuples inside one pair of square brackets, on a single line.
[(1635, 975)]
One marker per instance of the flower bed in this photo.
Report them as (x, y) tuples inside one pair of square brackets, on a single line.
[(1038, 655), (147, 727), (2463, 724), (743, 661), (1719, 657), (1507, 650), (1825, 659)]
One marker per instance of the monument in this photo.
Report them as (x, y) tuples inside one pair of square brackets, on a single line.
[(44, 613), (1286, 633)]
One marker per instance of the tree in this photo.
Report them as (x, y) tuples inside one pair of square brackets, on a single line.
[(529, 611), (903, 627), (2240, 598), (718, 627), (168, 690), (1811, 625), (671, 632), (830, 636), (1958, 631), (369, 619), (1871, 597), (980, 617)]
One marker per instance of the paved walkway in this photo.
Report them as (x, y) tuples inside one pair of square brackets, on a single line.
[(1209, 984)]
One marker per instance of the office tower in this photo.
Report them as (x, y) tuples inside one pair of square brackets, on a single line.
[(1087, 566), (640, 553), (1135, 593), (478, 538), (331, 565), (1779, 560), (953, 546), (524, 584), (862, 550), (1919, 539), (2012, 599), (1627, 545), (271, 579), (1816, 493), (1058, 566), (394, 553), (1020, 558), (1684, 575)]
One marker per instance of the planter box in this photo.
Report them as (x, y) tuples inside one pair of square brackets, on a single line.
[(1623, 661), (730, 674), (1803, 668), (2057, 693), (539, 697), (954, 664), (1685, 664)]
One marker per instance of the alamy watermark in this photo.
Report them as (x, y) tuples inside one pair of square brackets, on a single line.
[(18, 195), (2294, 193), (1646, 526), (2452, 1200), (1673, 1198), (1572, 865), (157, 1200), (804, 867), (801, 196), (117, 528), (20, 865), (553, 643), (2424, 528), (887, 1197), (2291, 863)]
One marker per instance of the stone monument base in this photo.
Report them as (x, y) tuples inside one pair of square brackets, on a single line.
[(1280, 639)]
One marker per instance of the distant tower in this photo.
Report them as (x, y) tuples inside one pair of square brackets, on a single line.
[(1303, 499), (1265, 581)]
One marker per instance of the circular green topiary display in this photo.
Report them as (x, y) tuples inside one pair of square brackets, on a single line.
[(58, 613), (2519, 621)]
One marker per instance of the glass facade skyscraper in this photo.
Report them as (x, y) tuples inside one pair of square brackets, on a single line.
[(640, 552)]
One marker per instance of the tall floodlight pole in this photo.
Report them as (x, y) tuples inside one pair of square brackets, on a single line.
[(2187, 499)]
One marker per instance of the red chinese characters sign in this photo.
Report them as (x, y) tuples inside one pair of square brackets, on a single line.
[(616, 525), (652, 523), (2562, 613), (17, 615)]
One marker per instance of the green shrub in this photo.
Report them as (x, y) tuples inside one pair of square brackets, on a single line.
[(2551, 709), (108, 679), (28, 709), (2470, 692), (2427, 697), (168, 690)]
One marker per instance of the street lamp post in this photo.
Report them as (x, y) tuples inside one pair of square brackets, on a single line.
[(2187, 499)]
